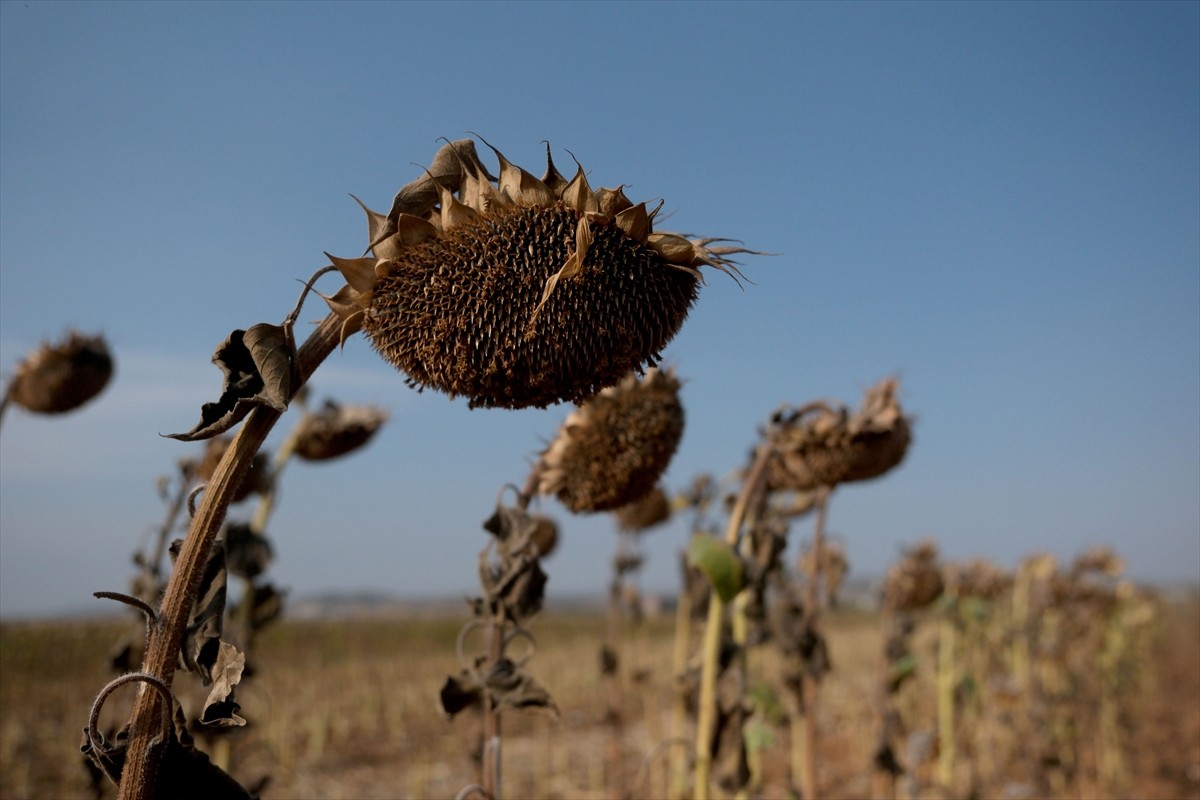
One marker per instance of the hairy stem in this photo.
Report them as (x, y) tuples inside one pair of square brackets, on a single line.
[(162, 653)]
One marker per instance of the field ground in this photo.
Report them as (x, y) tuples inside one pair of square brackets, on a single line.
[(348, 709)]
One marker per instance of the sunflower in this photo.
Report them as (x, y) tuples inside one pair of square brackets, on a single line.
[(612, 449), (519, 291), (61, 377)]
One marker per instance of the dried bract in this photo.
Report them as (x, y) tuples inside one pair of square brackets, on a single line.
[(61, 377), (612, 450), (820, 445), (522, 293)]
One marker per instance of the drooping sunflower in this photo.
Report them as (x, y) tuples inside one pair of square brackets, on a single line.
[(519, 291), (823, 445), (612, 449), (61, 376)]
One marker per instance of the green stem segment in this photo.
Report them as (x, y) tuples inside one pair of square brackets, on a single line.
[(707, 715), (145, 751)]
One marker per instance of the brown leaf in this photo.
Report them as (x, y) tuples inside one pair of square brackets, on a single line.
[(220, 709), (258, 364), (512, 687), (459, 693), (201, 638)]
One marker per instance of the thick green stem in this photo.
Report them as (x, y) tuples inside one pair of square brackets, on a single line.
[(143, 757)]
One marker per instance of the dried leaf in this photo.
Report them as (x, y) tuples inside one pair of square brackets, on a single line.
[(512, 687), (201, 638), (459, 693), (258, 364), (220, 709)]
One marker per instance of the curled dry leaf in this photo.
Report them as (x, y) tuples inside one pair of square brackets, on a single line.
[(514, 577), (258, 364), (220, 709), (508, 685), (186, 772), (202, 637)]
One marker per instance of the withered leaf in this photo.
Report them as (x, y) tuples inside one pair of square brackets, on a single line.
[(258, 364), (459, 693), (220, 709), (512, 687), (201, 639), (186, 772)]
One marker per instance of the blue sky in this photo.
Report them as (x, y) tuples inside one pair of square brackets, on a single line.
[(999, 202)]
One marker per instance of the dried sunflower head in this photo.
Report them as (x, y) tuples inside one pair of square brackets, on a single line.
[(258, 479), (651, 509), (613, 448), (519, 292), (820, 445), (916, 580), (336, 430), (61, 377), (545, 536)]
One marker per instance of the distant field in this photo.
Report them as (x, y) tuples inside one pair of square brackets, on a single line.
[(348, 709)]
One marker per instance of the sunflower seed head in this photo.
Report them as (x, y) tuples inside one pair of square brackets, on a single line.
[(525, 293), (823, 445), (611, 450), (62, 376)]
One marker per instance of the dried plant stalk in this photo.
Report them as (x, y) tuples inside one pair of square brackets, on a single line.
[(142, 761)]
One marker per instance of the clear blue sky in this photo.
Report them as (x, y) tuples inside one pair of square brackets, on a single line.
[(998, 201)]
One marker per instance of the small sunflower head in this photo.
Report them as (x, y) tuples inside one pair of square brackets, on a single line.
[(822, 445), (916, 580), (612, 449), (336, 430), (648, 511), (545, 536), (519, 291), (61, 377), (258, 479)]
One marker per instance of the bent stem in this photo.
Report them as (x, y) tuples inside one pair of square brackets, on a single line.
[(707, 716), (162, 652)]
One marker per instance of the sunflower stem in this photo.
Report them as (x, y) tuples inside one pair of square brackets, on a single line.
[(707, 715), (808, 775), (162, 653)]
